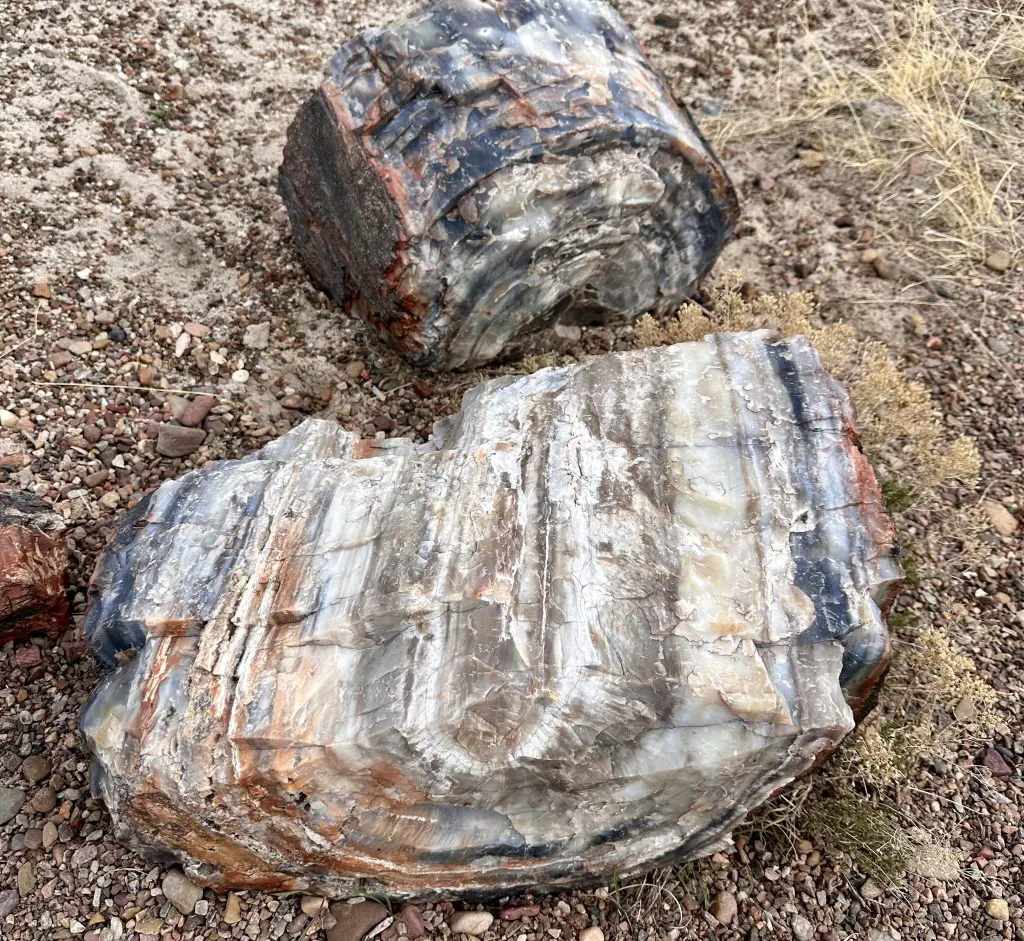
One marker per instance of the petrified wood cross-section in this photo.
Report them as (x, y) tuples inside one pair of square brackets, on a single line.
[(605, 612), (484, 170)]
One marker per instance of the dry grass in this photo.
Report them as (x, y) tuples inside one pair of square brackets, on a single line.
[(930, 115)]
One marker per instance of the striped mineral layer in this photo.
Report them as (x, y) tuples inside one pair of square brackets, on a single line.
[(606, 611), (482, 171)]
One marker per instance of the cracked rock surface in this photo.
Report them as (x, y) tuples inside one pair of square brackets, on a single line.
[(482, 171), (604, 612)]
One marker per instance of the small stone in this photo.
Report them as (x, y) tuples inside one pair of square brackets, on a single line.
[(812, 159), (355, 921), (7, 419), (805, 267), (885, 269), (998, 909), (1003, 521), (149, 924), (44, 801), (84, 856), (965, 709), (180, 891), (519, 912), (195, 412), (240, 375), (471, 923), (998, 346), (9, 899), (49, 834), (803, 930), (871, 890), (181, 344), (96, 478), (80, 347), (26, 879), (178, 441), (998, 261), (666, 21), (33, 838), (147, 375), (724, 908), (410, 916), (232, 909), (42, 289), (117, 335), (256, 336), (202, 907), (355, 369), (92, 433), (593, 933), (36, 768), (312, 905), (194, 329), (996, 763)]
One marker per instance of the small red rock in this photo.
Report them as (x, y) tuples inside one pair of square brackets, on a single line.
[(42, 289), (996, 763), (519, 912), (412, 919), (178, 441)]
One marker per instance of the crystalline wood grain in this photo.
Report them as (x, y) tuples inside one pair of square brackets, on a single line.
[(604, 613), (484, 170), (33, 567)]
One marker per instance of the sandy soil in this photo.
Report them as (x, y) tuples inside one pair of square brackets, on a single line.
[(141, 234)]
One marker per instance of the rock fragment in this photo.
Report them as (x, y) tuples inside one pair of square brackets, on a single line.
[(653, 583), (480, 171), (178, 440), (355, 921), (181, 892), (12, 799), (471, 923), (33, 567)]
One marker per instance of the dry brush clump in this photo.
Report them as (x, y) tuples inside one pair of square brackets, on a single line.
[(928, 112), (933, 699)]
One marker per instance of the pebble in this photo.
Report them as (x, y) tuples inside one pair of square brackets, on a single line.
[(471, 923), (410, 916), (195, 412), (256, 336), (521, 911), (812, 159), (7, 419), (178, 441), (240, 375), (12, 799), (312, 905), (49, 834), (998, 909), (9, 900), (803, 930), (885, 269), (593, 933), (997, 261), (232, 909), (871, 890), (724, 908), (1003, 521), (36, 768), (42, 289), (180, 891), (26, 879), (354, 921), (147, 375), (355, 369)]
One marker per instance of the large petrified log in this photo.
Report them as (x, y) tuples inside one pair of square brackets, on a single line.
[(484, 170), (605, 612), (33, 567)]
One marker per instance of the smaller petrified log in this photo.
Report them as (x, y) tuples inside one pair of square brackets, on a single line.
[(33, 567), (483, 171)]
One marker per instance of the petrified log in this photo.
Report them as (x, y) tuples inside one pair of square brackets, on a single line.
[(33, 567), (484, 170), (604, 613)]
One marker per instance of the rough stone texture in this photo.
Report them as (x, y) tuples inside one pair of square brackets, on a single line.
[(605, 612), (33, 567), (481, 171)]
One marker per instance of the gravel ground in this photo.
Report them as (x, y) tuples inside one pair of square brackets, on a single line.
[(145, 256)]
